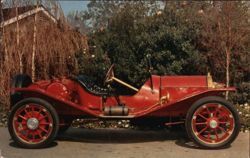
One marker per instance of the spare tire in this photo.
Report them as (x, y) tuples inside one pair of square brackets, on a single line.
[(19, 81)]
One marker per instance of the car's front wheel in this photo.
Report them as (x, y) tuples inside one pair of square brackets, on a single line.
[(33, 123), (212, 122)]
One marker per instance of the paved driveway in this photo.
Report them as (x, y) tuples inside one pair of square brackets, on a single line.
[(102, 143)]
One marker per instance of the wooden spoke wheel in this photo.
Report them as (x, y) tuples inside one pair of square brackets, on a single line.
[(212, 122), (33, 123)]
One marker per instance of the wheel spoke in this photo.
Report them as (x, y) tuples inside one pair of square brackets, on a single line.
[(23, 122), (216, 134), (208, 111), (222, 115), (26, 134), (216, 112), (38, 113), (201, 123), (202, 116), (27, 112), (24, 128), (40, 134), (24, 118), (43, 117), (223, 122), (43, 129), (203, 130), (222, 129), (33, 135), (32, 111), (44, 123), (209, 136)]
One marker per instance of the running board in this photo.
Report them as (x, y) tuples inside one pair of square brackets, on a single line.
[(122, 117)]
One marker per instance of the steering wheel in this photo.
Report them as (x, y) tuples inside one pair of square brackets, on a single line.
[(109, 75)]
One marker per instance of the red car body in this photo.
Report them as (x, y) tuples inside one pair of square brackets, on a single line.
[(40, 109), (169, 96)]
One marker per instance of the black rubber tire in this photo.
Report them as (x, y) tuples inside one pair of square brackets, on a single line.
[(212, 99), (49, 108)]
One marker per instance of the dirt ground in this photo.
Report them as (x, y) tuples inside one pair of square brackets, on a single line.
[(123, 143)]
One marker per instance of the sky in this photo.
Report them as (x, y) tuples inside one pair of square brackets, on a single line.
[(68, 6)]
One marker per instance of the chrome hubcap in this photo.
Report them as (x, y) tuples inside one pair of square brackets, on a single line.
[(32, 123), (213, 123)]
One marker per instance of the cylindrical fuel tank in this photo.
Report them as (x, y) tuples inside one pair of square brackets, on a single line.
[(116, 110)]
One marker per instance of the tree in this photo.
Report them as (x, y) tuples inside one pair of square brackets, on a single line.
[(136, 29), (225, 35), (48, 49), (99, 12), (78, 22)]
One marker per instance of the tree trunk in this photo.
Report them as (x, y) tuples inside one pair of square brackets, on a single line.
[(228, 50), (6, 55), (3, 44), (33, 66), (227, 70), (1, 22), (18, 41)]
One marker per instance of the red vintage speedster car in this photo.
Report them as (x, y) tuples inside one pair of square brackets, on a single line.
[(42, 109)]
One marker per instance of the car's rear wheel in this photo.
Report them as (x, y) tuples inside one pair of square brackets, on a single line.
[(33, 123), (212, 122)]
